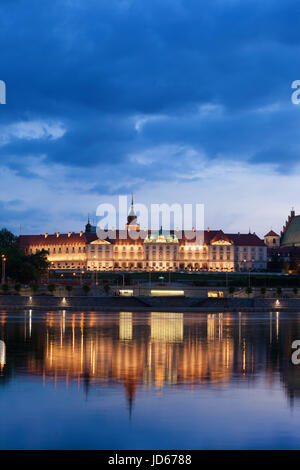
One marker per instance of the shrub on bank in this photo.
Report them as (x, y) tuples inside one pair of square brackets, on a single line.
[(86, 289), (52, 288), (231, 290), (5, 288), (69, 289), (279, 291), (249, 290), (34, 288), (18, 288), (263, 291)]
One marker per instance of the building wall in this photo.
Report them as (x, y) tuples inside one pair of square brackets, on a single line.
[(74, 252), (272, 241)]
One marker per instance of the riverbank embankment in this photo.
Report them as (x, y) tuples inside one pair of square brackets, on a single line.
[(143, 303)]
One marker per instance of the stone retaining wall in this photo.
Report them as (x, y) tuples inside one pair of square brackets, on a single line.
[(14, 302)]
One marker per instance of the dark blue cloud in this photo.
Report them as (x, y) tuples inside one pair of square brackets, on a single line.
[(96, 66)]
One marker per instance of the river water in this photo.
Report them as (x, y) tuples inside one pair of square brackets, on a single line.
[(87, 380)]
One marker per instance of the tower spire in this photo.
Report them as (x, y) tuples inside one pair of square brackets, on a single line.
[(132, 218), (88, 227)]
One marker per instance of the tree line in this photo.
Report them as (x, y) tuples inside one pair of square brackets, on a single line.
[(19, 267)]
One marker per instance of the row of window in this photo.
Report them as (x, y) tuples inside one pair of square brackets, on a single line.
[(154, 249)]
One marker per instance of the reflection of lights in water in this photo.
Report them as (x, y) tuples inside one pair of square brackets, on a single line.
[(73, 332), (271, 334), (81, 352), (244, 356), (161, 355), (125, 326), (64, 321), (166, 327), (213, 326), (277, 324), (2, 354), (30, 322), (227, 352), (3, 318), (220, 326)]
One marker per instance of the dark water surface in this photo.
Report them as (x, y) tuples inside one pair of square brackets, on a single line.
[(159, 380)]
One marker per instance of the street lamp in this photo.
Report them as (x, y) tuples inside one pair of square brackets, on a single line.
[(3, 258)]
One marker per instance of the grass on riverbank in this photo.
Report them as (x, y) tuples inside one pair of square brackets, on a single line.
[(197, 279)]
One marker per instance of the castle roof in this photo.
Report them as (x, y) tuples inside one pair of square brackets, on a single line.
[(291, 236), (127, 237), (70, 238), (271, 234)]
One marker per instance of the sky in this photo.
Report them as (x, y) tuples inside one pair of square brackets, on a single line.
[(177, 101)]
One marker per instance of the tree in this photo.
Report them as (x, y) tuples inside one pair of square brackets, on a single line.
[(69, 289), (249, 290), (296, 290), (86, 289), (52, 288), (33, 287), (7, 240), (106, 288), (279, 291), (5, 288), (263, 291), (18, 288), (19, 266)]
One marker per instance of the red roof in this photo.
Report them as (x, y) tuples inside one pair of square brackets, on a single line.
[(53, 239), (123, 237), (220, 236), (272, 234), (246, 239)]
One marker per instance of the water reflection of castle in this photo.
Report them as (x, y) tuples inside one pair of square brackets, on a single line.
[(155, 350)]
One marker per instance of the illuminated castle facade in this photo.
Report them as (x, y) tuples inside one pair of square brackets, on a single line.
[(151, 251)]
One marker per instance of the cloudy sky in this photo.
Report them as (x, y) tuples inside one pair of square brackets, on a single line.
[(175, 100)]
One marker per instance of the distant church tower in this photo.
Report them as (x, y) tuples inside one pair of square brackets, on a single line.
[(272, 239), (132, 218), (88, 227)]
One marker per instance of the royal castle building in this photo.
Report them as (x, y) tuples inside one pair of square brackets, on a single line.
[(158, 250)]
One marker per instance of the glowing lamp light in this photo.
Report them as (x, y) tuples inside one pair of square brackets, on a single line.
[(166, 292), (277, 302), (126, 292)]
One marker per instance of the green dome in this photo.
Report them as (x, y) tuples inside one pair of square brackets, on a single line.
[(291, 236)]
